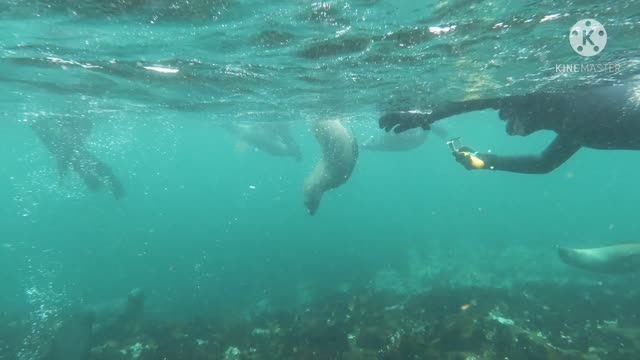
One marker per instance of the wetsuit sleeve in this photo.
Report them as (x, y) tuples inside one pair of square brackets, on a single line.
[(401, 121), (559, 151), (462, 107)]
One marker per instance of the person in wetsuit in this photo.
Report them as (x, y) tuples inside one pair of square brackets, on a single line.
[(598, 117), (66, 139)]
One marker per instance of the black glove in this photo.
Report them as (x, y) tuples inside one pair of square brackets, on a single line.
[(401, 121)]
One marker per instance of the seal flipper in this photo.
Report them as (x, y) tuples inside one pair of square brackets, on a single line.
[(117, 189), (96, 174), (63, 170), (88, 176)]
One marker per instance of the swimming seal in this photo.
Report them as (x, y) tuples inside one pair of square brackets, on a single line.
[(403, 141), (66, 139), (116, 319), (272, 138), (339, 156), (609, 259)]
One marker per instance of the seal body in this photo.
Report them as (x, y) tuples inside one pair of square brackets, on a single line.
[(272, 138), (115, 319), (609, 259), (118, 317), (404, 141), (339, 156)]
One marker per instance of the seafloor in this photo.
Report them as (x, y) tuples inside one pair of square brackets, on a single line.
[(535, 321)]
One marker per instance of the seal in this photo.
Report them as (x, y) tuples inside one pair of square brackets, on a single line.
[(339, 156), (73, 338), (390, 141), (116, 319), (66, 139), (609, 259), (404, 141), (272, 138)]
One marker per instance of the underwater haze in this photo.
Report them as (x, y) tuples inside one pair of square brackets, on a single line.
[(211, 226)]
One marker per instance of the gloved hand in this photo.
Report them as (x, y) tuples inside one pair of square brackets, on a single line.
[(401, 121), (468, 158)]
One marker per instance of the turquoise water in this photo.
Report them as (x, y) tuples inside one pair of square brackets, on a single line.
[(209, 225)]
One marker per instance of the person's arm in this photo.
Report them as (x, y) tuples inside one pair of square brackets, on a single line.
[(401, 121), (559, 151)]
